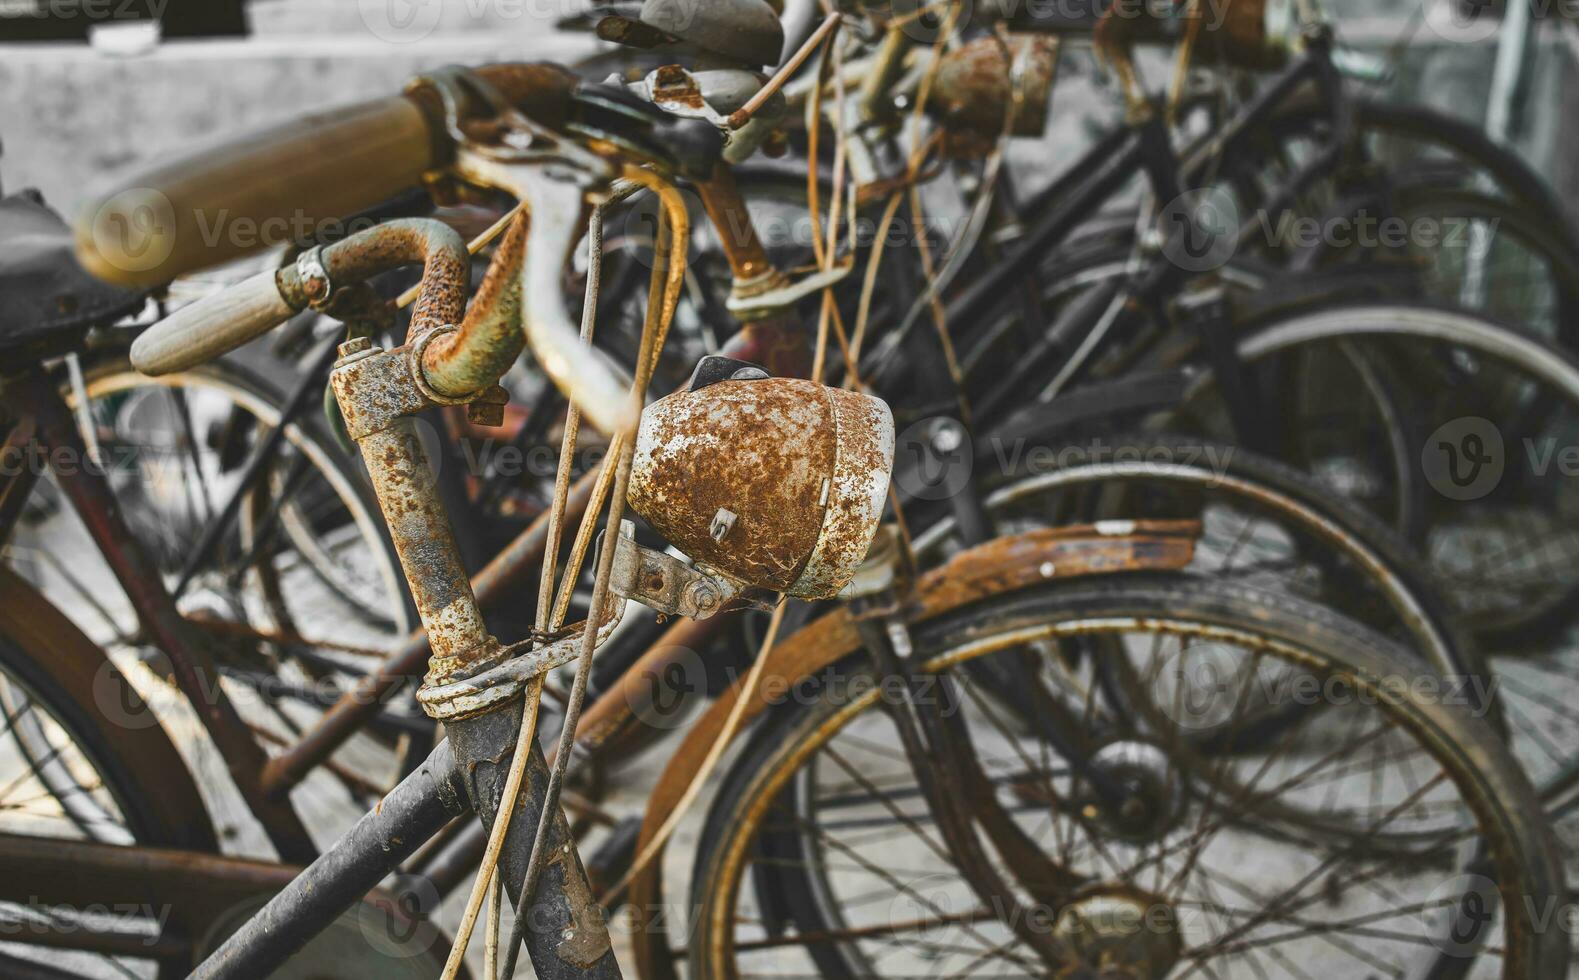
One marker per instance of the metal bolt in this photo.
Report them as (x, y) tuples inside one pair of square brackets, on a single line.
[(488, 408), (722, 522), (355, 345), (703, 596)]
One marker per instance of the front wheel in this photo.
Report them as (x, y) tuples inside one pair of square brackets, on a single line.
[(1347, 845)]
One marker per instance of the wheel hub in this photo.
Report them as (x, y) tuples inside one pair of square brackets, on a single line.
[(1152, 803)]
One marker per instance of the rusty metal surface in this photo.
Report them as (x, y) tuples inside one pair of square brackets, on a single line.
[(446, 268), (998, 567), (778, 483), (375, 388), (663, 583), (490, 337), (355, 707), (727, 211), (979, 81), (407, 494), (856, 494)]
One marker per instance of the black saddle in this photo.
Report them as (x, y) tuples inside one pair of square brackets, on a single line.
[(47, 300)]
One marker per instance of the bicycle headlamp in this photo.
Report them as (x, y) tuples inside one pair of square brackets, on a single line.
[(775, 483)]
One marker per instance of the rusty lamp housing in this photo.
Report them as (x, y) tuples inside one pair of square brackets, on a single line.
[(770, 483)]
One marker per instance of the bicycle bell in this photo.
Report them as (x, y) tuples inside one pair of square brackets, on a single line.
[(743, 33), (774, 483)]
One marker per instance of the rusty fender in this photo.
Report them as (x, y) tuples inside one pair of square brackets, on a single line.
[(999, 567)]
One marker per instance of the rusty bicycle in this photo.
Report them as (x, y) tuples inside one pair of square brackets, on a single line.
[(1145, 766)]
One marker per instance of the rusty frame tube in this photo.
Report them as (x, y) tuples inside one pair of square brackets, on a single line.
[(19, 453), (161, 621), (379, 392), (446, 269), (726, 209), (196, 885)]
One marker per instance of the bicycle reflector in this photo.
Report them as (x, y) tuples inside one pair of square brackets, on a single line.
[(774, 483)]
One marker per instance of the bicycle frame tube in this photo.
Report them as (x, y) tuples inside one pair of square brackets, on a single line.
[(414, 811)]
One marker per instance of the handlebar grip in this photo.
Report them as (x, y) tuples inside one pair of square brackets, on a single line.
[(214, 325), (266, 188)]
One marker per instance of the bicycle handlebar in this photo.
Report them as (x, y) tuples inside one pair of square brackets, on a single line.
[(178, 217), (212, 326)]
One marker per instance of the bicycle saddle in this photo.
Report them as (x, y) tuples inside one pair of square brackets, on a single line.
[(47, 300)]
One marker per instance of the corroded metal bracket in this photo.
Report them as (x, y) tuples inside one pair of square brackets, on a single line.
[(666, 584)]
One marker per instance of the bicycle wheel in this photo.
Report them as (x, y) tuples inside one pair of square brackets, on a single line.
[(302, 592), (81, 759), (1500, 533), (819, 854)]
